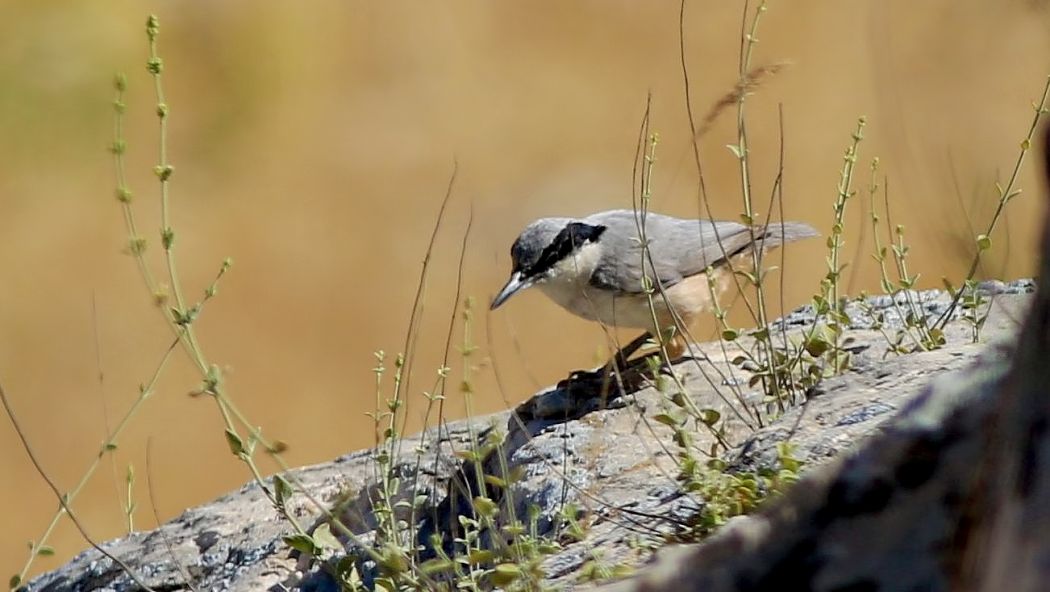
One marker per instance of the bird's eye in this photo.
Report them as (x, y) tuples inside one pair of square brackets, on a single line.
[(515, 257)]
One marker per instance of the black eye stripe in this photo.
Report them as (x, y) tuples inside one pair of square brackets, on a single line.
[(572, 237)]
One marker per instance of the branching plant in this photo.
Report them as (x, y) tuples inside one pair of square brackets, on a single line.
[(912, 328), (969, 296)]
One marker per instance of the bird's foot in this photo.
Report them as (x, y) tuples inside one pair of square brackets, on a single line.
[(613, 377), (590, 390), (582, 378), (692, 353)]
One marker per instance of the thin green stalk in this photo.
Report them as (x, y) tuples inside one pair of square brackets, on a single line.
[(63, 500), (164, 169), (830, 302), (181, 318), (136, 244), (845, 192), (108, 445), (743, 158), (651, 288), (880, 257), (1007, 193)]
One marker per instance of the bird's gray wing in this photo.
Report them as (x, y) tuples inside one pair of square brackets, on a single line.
[(678, 248)]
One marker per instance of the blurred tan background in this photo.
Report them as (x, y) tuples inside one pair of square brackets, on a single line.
[(313, 143)]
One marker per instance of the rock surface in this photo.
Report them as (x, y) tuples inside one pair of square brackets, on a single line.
[(618, 466), (953, 494)]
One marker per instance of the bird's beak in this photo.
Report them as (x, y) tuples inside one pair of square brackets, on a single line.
[(514, 285)]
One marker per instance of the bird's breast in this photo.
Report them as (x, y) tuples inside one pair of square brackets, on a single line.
[(596, 304), (685, 300)]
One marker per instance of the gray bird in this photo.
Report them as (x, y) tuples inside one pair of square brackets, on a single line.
[(593, 267)]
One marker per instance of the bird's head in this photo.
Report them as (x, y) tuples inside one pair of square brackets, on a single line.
[(542, 250)]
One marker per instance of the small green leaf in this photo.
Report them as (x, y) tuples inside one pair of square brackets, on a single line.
[(479, 556), (434, 566), (709, 417), (737, 152), (485, 506), (302, 543), (324, 539), (983, 242), (505, 573), (282, 489), (817, 346), (495, 481), (235, 443), (163, 172), (467, 456), (665, 419), (682, 439), (514, 530)]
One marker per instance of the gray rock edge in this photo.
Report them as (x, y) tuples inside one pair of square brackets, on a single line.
[(614, 463)]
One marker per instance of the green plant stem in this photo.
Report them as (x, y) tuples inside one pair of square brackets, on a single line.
[(1005, 195), (107, 446), (759, 311), (880, 257)]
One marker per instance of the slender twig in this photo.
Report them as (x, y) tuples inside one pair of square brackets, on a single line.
[(63, 500), (1006, 194), (186, 577)]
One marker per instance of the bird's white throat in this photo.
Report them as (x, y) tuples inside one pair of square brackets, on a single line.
[(576, 268), (567, 282)]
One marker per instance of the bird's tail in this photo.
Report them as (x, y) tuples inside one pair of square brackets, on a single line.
[(774, 234)]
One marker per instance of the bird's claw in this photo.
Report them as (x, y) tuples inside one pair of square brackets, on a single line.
[(600, 378), (581, 377)]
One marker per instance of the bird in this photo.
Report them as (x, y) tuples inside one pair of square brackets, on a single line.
[(595, 267)]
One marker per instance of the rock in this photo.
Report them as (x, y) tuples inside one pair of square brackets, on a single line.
[(606, 457)]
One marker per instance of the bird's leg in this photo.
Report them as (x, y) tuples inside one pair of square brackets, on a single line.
[(621, 362), (618, 363), (621, 357), (676, 347)]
